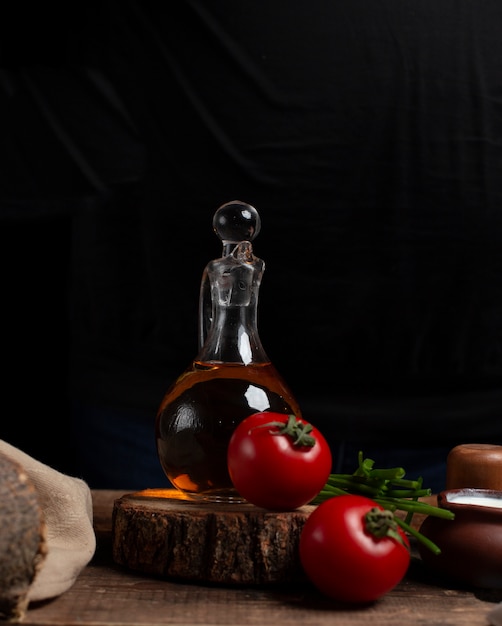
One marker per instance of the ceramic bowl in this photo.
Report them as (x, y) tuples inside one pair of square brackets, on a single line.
[(470, 544)]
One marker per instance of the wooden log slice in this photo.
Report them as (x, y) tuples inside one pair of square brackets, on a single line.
[(23, 546), (161, 532)]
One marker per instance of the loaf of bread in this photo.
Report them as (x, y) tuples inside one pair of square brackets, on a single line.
[(23, 546)]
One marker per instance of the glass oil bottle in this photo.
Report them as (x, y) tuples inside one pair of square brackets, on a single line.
[(231, 376)]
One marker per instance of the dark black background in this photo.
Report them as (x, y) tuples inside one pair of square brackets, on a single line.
[(369, 137)]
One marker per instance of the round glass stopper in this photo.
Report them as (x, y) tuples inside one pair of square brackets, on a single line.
[(236, 221)]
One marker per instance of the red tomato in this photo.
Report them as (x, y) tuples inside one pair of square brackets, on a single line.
[(270, 469), (343, 558)]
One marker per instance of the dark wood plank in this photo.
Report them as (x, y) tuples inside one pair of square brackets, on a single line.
[(107, 593)]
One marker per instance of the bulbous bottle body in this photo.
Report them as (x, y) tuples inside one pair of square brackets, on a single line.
[(198, 415)]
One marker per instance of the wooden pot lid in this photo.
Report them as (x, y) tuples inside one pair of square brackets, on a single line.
[(475, 465)]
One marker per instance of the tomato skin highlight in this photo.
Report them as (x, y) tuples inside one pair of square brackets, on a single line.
[(269, 470), (345, 561)]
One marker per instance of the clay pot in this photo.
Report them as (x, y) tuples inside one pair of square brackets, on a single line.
[(471, 544)]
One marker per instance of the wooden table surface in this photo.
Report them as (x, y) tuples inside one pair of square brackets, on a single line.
[(107, 594)]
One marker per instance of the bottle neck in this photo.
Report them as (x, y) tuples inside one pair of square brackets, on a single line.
[(233, 337), (228, 330)]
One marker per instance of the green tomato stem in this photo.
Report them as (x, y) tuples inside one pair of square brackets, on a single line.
[(383, 524), (294, 428)]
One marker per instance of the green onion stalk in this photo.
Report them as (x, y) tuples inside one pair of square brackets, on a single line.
[(390, 489)]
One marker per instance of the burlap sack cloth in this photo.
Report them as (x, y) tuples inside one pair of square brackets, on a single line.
[(67, 507)]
